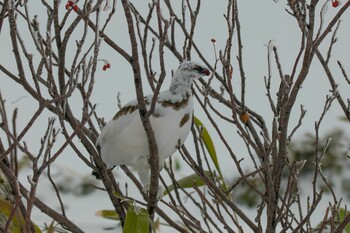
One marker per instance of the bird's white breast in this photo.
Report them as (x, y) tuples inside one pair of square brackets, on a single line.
[(123, 140)]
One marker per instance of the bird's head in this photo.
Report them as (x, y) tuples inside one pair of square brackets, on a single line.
[(183, 77), (192, 69)]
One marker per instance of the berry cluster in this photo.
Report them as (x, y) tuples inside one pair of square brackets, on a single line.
[(106, 66), (71, 5)]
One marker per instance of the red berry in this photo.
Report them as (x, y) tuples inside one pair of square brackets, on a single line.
[(70, 3), (108, 65), (68, 7), (75, 8), (104, 68), (335, 3), (213, 40)]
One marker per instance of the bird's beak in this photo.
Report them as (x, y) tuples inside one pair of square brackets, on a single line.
[(206, 72)]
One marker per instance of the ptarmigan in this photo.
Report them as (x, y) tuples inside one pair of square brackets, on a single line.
[(123, 140)]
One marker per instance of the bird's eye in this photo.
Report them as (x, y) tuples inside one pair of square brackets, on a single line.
[(198, 69), (201, 70)]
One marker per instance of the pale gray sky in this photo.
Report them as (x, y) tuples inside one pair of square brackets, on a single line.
[(261, 21)]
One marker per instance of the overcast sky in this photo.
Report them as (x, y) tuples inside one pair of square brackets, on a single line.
[(261, 21)]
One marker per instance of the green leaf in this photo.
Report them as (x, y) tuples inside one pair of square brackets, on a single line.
[(51, 228), (137, 220), (37, 229), (208, 142), (108, 214), (342, 215), (17, 222), (15, 225), (123, 198), (189, 182), (119, 196), (5, 207)]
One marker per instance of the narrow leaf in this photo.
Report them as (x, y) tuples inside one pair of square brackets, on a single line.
[(17, 222), (17, 219), (5, 207), (108, 214), (189, 182), (137, 220), (37, 229), (51, 228), (119, 195), (342, 215), (208, 142)]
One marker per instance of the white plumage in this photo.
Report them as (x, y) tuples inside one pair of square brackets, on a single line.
[(123, 140)]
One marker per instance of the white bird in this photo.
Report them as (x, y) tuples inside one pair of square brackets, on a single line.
[(123, 140)]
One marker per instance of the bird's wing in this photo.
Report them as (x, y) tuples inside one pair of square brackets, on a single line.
[(123, 139), (121, 119)]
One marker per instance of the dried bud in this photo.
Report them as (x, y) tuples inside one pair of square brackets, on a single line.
[(244, 117)]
